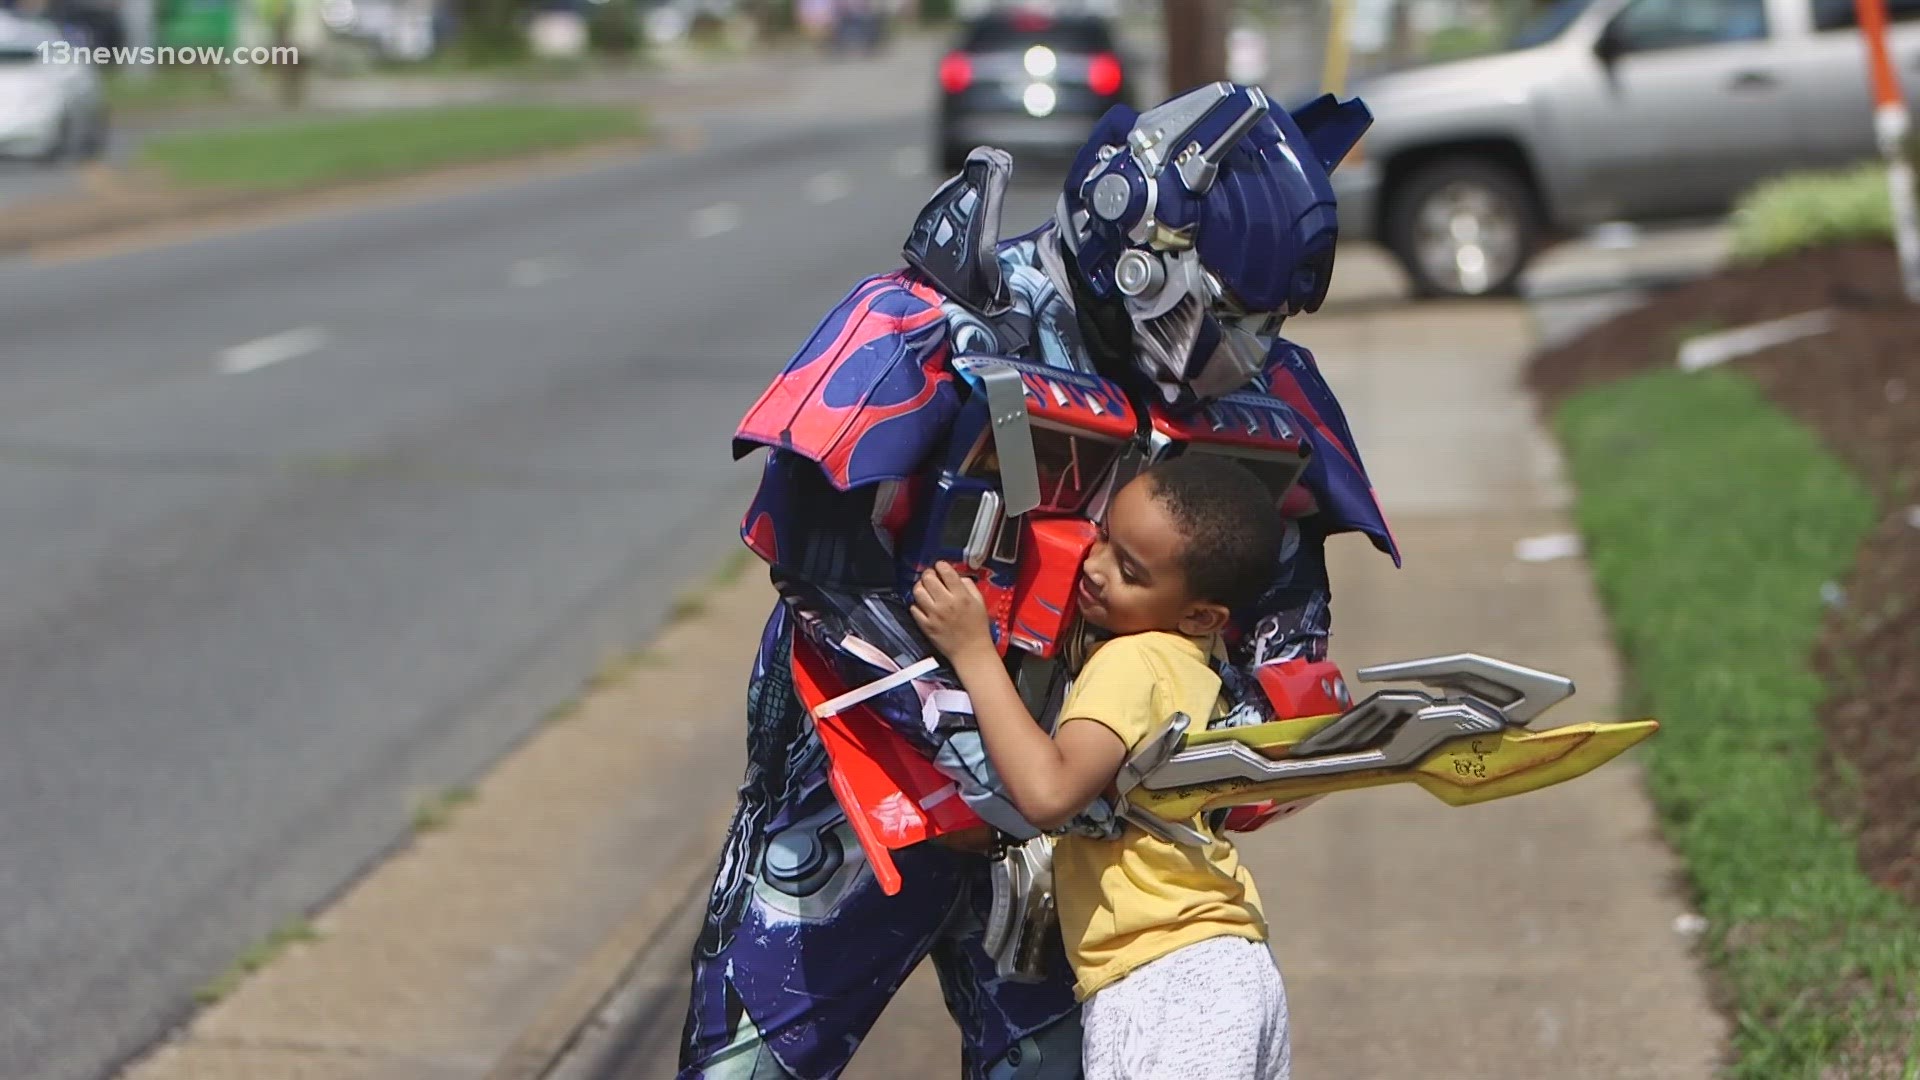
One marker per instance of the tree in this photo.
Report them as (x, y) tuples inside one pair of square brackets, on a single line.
[(1196, 43), (491, 30), (278, 17)]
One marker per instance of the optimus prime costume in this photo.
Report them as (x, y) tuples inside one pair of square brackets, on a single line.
[(980, 406)]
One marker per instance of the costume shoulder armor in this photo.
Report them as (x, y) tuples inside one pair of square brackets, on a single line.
[(1334, 474), (955, 239), (869, 393)]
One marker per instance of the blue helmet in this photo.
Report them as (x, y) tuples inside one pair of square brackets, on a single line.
[(1211, 219)]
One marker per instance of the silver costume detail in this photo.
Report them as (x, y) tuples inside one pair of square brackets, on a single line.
[(1522, 693), (1197, 167), (1390, 729), (1012, 431), (1137, 272), (1149, 757), (809, 867), (1023, 919), (1154, 134), (1110, 197)]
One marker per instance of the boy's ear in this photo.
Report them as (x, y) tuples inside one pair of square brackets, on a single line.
[(1204, 618)]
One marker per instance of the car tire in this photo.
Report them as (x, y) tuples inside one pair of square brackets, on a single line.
[(1463, 227)]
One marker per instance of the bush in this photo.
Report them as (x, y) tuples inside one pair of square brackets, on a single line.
[(613, 29), (1461, 42), (1808, 210)]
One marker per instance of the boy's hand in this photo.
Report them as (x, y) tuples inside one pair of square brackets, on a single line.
[(951, 612)]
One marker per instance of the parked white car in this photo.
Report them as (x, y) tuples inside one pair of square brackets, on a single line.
[(48, 110)]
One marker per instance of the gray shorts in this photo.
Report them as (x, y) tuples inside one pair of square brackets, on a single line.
[(1215, 1009)]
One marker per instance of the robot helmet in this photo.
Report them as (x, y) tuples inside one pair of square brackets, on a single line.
[(1210, 219)]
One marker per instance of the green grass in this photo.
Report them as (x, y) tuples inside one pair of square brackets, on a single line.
[(257, 956), (167, 88), (1713, 520), (1462, 42), (1807, 210), (312, 152), (434, 813)]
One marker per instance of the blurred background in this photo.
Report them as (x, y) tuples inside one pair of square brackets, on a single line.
[(355, 413)]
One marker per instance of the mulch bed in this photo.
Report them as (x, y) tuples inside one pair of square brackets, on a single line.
[(1858, 385)]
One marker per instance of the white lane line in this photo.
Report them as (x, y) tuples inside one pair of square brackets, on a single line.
[(828, 187), (909, 161), (272, 349), (714, 220), (533, 273)]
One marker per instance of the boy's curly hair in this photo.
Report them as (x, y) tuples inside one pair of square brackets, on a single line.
[(1231, 523)]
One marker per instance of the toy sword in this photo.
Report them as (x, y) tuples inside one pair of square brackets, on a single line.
[(1472, 743)]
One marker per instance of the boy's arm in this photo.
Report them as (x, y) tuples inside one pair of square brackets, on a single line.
[(1048, 778)]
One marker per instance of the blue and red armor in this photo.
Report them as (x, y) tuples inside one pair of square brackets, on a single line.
[(980, 406)]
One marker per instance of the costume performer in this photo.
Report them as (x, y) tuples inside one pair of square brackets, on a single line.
[(980, 406), (1181, 240)]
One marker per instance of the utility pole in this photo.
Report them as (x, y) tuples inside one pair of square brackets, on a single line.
[(1196, 43)]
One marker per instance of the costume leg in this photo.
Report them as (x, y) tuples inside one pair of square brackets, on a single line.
[(1009, 1030), (801, 949), (814, 957)]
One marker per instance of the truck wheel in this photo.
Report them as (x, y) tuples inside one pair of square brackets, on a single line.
[(1463, 226)]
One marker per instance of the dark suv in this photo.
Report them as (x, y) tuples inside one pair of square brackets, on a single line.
[(1022, 80)]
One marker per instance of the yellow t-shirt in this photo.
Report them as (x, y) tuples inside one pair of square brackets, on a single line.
[(1132, 899)]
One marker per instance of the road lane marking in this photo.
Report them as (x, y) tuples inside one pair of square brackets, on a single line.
[(828, 187), (533, 273), (714, 220), (272, 349)]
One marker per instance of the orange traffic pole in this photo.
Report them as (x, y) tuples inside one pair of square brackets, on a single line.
[(1890, 125), (1872, 15)]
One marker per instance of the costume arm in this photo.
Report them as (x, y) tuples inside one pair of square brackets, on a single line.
[(1048, 778), (848, 424)]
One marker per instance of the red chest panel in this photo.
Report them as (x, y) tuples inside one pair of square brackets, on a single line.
[(1259, 432), (1076, 402)]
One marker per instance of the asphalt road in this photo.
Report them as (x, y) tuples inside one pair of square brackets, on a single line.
[(306, 523)]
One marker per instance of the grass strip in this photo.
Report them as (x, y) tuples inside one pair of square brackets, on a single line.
[(1715, 525), (311, 152)]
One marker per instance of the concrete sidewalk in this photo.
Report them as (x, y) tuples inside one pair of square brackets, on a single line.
[(1526, 938)]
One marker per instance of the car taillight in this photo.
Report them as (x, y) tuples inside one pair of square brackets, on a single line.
[(1103, 74), (955, 72)]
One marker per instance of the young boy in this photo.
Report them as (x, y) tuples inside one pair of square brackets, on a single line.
[(1167, 943)]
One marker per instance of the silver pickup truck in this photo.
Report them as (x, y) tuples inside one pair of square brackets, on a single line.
[(1607, 110)]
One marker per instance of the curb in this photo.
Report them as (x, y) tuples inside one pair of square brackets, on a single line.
[(543, 1043)]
